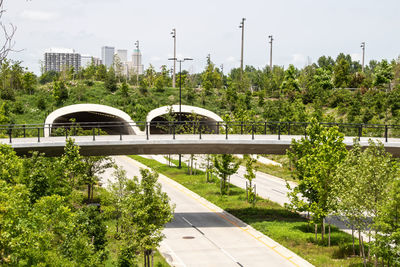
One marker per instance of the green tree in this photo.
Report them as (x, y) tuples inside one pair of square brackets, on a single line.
[(111, 81), (94, 166), (290, 84), (145, 211), (250, 176), (315, 159), (341, 74), (225, 165), (60, 92), (29, 82), (383, 74)]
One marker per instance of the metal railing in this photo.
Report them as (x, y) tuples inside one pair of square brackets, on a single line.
[(199, 128)]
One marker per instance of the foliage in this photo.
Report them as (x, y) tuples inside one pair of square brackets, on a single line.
[(225, 165), (315, 160), (145, 211)]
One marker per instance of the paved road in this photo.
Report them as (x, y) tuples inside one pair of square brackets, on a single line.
[(268, 187), (202, 234)]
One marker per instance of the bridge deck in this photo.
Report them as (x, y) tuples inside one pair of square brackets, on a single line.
[(182, 144)]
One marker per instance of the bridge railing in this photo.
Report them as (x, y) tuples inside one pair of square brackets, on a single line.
[(199, 128)]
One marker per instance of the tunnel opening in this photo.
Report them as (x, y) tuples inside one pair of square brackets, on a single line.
[(89, 120), (182, 123)]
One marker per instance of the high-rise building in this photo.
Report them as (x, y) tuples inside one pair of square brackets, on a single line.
[(107, 55), (135, 66), (123, 55), (59, 59), (87, 60)]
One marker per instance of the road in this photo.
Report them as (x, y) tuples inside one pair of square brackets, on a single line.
[(267, 186), (201, 234)]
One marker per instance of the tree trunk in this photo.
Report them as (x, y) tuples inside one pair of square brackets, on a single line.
[(359, 241), (88, 192), (316, 233), (323, 230), (91, 192), (352, 235), (363, 252), (329, 235)]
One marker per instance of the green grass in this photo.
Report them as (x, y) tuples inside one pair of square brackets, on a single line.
[(285, 227), (113, 248)]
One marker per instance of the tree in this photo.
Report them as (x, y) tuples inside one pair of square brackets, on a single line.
[(383, 74), (111, 82), (290, 84), (341, 74), (387, 238), (361, 184), (29, 82), (226, 165), (250, 175), (315, 159), (7, 42), (93, 166), (60, 92), (145, 211)]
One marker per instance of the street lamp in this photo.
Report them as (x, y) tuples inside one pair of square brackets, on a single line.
[(137, 62), (363, 56), (180, 93), (241, 26), (271, 39), (173, 33)]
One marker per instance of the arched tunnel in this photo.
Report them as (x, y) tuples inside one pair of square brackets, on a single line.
[(184, 124), (85, 117), (184, 119), (87, 120)]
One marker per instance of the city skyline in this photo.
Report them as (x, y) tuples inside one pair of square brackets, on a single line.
[(302, 31)]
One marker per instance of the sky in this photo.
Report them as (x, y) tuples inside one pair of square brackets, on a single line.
[(303, 30)]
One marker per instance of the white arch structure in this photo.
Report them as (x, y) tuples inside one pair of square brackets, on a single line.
[(184, 109), (92, 108)]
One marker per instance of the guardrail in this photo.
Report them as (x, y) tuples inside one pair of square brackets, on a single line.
[(190, 127)]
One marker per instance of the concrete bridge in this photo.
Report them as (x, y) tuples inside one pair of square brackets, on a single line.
[(174, 144)]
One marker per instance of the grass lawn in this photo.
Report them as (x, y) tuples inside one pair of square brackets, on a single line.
[(287, 228), (112, 246)]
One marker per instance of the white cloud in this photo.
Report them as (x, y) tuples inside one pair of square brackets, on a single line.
[(38, 15)]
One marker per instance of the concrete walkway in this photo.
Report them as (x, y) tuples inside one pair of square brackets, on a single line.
[(202, 234)]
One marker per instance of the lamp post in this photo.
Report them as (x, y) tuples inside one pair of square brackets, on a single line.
[(241, 26), (363, 56), (271, 39), (180, 94), (137, 62), (173, 33)]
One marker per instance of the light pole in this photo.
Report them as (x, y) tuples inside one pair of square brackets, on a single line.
[(137, 62), (363, 56), (271, 39), (241, 54), (180, 95), (173, 32)]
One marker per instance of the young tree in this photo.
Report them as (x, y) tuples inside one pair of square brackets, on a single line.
[(60, 92), (145, 211), (111, 82), (93, 166), (226, 165), (315, 159), (250, 176)]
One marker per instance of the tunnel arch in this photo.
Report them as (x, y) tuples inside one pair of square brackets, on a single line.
[(206, 116), (92, 113)]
